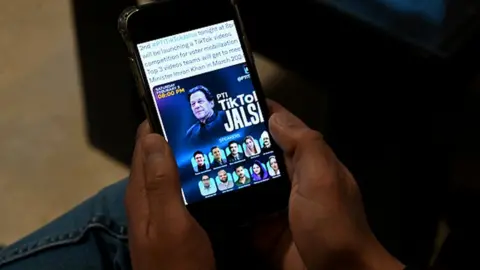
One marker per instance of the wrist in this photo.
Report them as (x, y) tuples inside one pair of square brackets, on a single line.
[(375, 257), (367, 255)]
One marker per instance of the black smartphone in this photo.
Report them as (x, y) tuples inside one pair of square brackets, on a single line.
[(199, 87)]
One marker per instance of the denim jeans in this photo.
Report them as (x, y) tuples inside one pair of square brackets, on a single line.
[(93, 235)]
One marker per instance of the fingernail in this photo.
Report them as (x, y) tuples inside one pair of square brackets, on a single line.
[(153, 146), (287, 120)]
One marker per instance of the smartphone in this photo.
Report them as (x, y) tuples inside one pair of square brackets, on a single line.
[(200, 89)]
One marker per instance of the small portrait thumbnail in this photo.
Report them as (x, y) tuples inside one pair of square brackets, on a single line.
[(234, 152), (217, 157), (265, 142), (241, 176), (207, 185), (251, 146), (199, 162), (258, 171), (272, 165), (224, 180)]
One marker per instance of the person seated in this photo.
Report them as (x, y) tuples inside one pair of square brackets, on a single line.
[(142, 223)]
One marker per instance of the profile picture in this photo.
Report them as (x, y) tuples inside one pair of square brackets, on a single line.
[(258, 171), (272, 166), (207, 185), (200, 162), (217, 157), (224, 180), (234, 152), (208, 121), (241, 176), (251, 146), (265, 142)]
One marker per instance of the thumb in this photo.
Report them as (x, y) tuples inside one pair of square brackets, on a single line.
[(154, 201), (306, 153), (288, 130), (162, 233)]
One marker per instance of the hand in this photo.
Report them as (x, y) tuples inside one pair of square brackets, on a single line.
[(162, 233), (327, 222)]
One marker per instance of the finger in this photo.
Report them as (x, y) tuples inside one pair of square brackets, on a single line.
[(289, 131), (136, 174), (161, 230), (274, 106), (143, 129), (309, 159), (137, 162), (154, 194), (161, 174), (137, 170), (277, 108)]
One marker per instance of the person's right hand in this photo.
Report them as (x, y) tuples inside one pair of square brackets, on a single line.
[(327, 221)]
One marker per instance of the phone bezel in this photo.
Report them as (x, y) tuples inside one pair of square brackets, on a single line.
[(138, 25)]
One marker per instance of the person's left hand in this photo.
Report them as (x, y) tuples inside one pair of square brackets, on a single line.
[(162, 233)]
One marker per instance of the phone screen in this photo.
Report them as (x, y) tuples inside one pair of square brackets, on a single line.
[(209, 111)]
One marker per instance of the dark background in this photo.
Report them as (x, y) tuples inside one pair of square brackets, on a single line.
[(400, 112)]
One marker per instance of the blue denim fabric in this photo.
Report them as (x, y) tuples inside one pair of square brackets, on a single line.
[(93, 235)]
